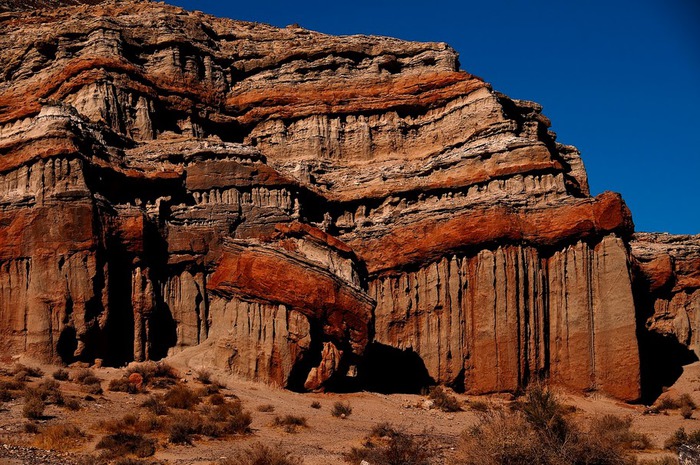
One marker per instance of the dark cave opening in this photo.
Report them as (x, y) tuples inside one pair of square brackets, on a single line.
[(389, 370), (162, 332), (67, 345), (118, 343), (661, 363), (661, 357), (309, 359)]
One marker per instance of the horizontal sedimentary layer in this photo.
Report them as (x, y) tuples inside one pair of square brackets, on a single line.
[(416, 242)]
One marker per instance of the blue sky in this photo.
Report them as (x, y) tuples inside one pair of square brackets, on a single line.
[(619, 80)]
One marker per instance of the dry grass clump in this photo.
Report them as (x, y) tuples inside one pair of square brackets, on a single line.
[(683, 402), (11, 389), (443, 400), (291, 423), (89, 382), (33, 408), (341, 409), (316, 404), (666, 460), (122, 444), (182, 397), (538, 432), (123, 385), (479, 406), (60, 375), (49, 390), (157, 375), (60, 437), (387, 445), (183, 426), (156, 404), (203, 376), (680, 438), (260, 454), (265, 408), (23, 373)]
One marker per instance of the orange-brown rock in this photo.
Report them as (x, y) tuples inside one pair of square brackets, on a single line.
[(281, 203)]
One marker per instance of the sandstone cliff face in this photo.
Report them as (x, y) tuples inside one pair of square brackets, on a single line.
[(296, 203)]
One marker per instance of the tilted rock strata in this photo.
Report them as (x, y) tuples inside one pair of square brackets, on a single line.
[(284, 199)]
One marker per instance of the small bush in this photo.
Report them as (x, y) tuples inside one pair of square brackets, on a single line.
[(62, 437), (31, 428), (85, 376), (479, 406), (444, 401), (396, 448), (92, 388), (316, 404), (121, 444), (217, 399), (10, 390), (617, 431), (687, 412), (266, 408), (153, 373), (156, 404), (341, 410), (60, 374), (181, 397), (383, 430), (203, 376), (22, 372), (239, 422), (680, 437), (72, 404), (122, 385), (183, 426), (259, 454), (291, 423), (686, 401), (33, 407), (49, 391)]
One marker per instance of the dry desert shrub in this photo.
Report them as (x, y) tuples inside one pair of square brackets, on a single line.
[(33, 408), (539, 433), (158, 375), (666, 460), (203, 376), (341, 409), (680, 438), (387, 445), (182, 397), (443, 400), (23, 373), (259, 454), (291, 423), (122, 444), (156, 404), (123, 385), (265, 408), (316, 404), (61, 374), (60, 437), (11, 389)]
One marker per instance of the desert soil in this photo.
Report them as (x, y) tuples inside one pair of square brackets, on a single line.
[(326, 438)]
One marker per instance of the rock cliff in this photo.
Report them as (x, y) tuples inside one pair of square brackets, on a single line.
[(313, 211)]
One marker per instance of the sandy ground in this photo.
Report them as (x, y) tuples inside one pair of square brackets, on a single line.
[(326, 438)]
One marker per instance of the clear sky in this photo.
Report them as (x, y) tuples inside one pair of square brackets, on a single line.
[(619, 79)]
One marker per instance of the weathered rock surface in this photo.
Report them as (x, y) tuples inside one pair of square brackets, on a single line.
[(291, 201)]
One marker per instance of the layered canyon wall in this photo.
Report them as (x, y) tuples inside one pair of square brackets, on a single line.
[(303, 209)]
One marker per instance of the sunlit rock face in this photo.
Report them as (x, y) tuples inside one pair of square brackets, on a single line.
[(298, 203)]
